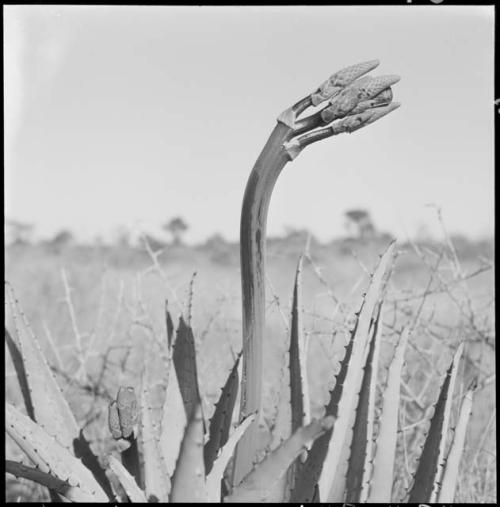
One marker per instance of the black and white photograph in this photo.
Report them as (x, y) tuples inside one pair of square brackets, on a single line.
[(249, 253)]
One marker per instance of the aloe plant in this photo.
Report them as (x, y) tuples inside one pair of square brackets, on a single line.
[(67, 475), (174, 454), (349, 104)]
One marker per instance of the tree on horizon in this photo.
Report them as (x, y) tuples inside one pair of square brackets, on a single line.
[(176, 227), (360, 221)]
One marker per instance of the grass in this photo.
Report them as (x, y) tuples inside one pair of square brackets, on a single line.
[(113, 300)]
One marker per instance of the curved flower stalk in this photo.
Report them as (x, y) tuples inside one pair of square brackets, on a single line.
[(351, 102)]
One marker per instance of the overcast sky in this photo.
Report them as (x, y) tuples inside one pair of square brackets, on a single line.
[(132, 115)]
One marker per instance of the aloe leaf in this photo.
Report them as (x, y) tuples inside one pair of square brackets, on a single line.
[(362, 435), (305, 488), (80, 446), (184, 356), (221, 420), (450, 476), (376, 343), (188, 482), (131, 459), (169, 325), (156, 478), (134, 492), (49, 456), (383, 464), (214, 478), (260, 482), (17, 360), (304, 352), (353, 379), (51, 410), (68, 492), (292, 416), (173, 422), (446, 422), (338, 492), (299, 392), (298, 380), (89, 459), (427, 477)]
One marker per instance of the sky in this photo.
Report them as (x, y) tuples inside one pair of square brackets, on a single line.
[(128, 116)]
